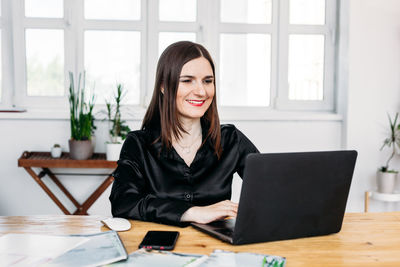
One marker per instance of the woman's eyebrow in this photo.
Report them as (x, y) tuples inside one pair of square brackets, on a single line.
[(192, 77)]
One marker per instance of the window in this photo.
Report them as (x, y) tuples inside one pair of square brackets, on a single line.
[(245, 35), (5, 56), (270, 54), (306, 62), (113, 32)]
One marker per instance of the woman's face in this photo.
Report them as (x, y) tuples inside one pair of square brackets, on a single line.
[(196, 88)]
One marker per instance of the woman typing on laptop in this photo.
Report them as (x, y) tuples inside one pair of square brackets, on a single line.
[(179, 167)]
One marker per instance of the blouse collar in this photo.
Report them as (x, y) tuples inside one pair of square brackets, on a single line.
[(154, 134)]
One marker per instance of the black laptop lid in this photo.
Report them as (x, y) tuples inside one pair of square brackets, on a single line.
[(292, 195)]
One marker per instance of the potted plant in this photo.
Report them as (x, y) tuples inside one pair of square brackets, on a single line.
[(56, 151), (118, 128), (81, 120), (386, 177)]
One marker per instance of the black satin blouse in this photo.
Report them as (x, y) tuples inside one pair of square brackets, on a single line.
[(152, 184)]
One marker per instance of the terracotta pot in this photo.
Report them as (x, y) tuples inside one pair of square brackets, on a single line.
[(80, 149), (386, 182)]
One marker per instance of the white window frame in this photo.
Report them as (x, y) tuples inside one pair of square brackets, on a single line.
[(20, 25), (114, 25), (217, 28), (6, 56), (74, 26), (207, 28), (328, 30)]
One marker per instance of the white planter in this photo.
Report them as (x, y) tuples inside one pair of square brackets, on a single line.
[(386, 181), (56, 152), (113, 151)]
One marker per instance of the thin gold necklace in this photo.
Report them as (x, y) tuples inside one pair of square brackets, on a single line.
[(188, 149)]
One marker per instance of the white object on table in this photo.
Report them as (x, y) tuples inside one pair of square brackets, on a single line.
[(117, 224)]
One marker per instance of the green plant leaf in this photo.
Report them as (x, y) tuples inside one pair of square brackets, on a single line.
[(81, 112)]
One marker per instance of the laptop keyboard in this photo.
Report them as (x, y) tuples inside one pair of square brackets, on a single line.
[(224, 227), (224, 231)]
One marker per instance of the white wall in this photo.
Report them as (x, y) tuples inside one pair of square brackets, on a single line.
[(374, 89)]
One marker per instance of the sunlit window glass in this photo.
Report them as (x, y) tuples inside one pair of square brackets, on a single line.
[(167, 38), (112, 9), (306, 67), (113, 57), (44, 8), (177, 10), (245, 69), (246, 11), (307, 12), (45, 62)]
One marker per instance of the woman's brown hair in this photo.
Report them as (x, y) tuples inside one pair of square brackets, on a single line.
[(162, 112)]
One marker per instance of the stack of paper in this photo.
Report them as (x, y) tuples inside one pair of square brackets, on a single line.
[(144, 258), (106, 248), (74, 250), (100, 249), (34, 250), (220, 258)]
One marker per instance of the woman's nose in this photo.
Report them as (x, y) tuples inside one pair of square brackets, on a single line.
[(200, 90)]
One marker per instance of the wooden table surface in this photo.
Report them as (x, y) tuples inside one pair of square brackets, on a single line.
[(366, 239)]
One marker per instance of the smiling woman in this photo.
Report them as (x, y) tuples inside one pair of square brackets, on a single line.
[(179, 167)]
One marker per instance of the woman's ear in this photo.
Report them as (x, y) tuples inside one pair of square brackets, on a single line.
[(162, 90)]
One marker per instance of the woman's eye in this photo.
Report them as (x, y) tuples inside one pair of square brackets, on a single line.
[(208, 81), (186, 81)]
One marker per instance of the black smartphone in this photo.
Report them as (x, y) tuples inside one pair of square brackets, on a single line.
[(161, 240)]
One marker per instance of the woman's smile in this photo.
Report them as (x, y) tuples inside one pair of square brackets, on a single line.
[(196, 103)]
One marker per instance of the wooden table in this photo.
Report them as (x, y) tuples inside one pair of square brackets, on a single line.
[(366, 239), (44, 161)]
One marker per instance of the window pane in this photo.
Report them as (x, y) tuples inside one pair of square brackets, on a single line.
[(112, 9), (167, 38), (113, 57), (44, 8), (306, 67), (45, 62), (245, 69), (308, 12), (177, 10), (246, 11)]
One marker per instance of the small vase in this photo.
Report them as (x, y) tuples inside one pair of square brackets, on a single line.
[(113, 151), (56, 151), (386, 182), (80, 149)]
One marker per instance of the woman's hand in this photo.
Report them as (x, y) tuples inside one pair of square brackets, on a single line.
[(210, 213)]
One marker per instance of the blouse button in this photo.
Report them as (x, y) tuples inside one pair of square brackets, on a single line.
[(187, 196)]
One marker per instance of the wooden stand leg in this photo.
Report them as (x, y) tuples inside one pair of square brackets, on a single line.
[(47, 190), (366, 201), (95, 195), (60, 185)]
